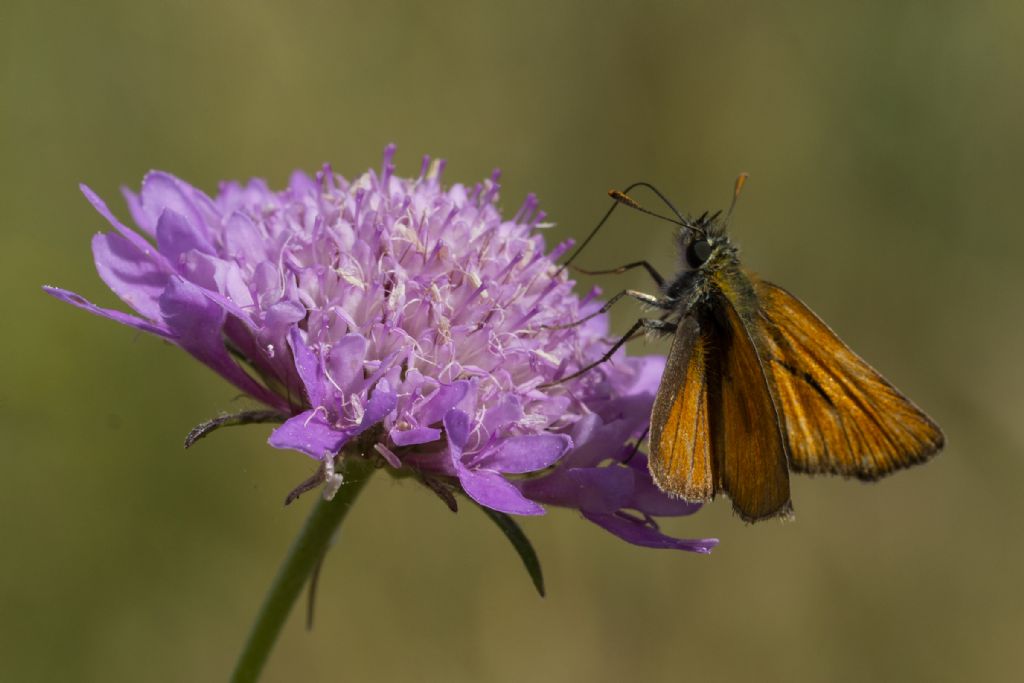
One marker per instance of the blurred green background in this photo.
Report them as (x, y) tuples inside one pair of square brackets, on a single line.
[(884, 142)]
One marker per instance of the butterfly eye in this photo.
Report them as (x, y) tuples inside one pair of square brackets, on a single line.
[(698, 253)]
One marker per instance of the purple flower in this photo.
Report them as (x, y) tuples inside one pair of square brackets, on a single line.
[(404, 320)]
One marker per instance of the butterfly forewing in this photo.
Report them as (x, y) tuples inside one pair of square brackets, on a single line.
[(680, 442), (748, 448), (714, 426), (840, 416)]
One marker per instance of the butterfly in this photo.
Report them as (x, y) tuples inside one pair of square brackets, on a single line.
[(756, 386)]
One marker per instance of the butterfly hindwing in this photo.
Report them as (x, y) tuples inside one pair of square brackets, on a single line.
[(840, 415)]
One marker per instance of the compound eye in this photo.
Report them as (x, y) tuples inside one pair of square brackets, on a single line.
[(698, 253)]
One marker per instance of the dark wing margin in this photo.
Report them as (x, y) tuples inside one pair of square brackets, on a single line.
[(680, 460), (748, 446), (840, 415)]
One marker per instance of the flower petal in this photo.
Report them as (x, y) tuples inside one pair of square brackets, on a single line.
[(218, 275), (309, 433), (301, 184), (485, 487), (176, 236), (590, 489), (646, 495), (593, 436), (456, 427), (280, 317), (197, 323), (134, 278), (134, 203), (378, 407), (647, 374), (345, 360), (314, 434), (163, 191), (117, 316), (242, 240), (415, 436), (139, 242), (636, 532), (508, 410), (308, 366), (443, 400), (520, 454), (492, 490)]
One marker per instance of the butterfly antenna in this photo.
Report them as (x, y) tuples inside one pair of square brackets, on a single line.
[(741, 180), (628, 201), (661, 196), (623, 198)]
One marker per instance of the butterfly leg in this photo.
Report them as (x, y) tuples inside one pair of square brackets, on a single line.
[(655, 275), (636, 448), (649, 299), (659, 326), (640, 326)]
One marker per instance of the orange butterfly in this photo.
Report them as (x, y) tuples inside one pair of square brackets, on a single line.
[(756, 385)]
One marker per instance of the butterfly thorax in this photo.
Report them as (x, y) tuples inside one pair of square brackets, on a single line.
[(711, 268)]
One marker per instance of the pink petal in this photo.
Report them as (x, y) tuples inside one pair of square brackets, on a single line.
[(590, 489), (309, 433), (308, 366), (443, 400), (491, 490), (116, 316), (456, 427), (140, 243), (163, 191), (198, 325), (176, 236), (414, 436), (520, 454), (638, 533), (137, 280)]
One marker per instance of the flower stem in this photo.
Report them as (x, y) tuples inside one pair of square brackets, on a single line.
[(306, 551)]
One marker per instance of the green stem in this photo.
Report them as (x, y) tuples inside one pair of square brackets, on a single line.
[(306, 551)]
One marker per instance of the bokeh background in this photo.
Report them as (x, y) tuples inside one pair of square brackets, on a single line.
[(885, 146)]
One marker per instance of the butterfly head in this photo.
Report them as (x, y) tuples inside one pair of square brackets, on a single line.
[(703, 243)]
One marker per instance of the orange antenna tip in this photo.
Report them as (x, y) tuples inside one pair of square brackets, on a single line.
[(741, 180), (624, 199)]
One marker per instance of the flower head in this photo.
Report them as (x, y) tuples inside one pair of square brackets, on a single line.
[(403, 318)]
